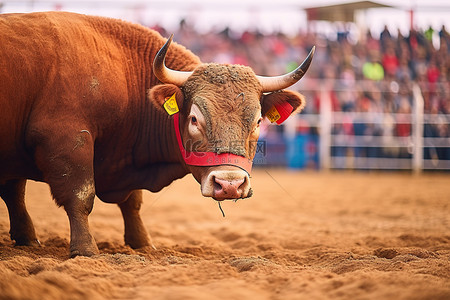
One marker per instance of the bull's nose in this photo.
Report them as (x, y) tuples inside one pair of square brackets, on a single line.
[(226, 182), (228, 189)]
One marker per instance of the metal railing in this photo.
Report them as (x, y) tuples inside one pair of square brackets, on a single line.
[(416, 151)]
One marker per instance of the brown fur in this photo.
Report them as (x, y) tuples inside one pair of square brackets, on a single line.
[(74, 96)]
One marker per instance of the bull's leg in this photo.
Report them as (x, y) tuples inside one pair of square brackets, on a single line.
[(136, 236), (21, 226), (67, 166), (78, 210)]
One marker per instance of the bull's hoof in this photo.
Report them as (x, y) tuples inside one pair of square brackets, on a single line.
[(84, 252), (89, 250), (27, 242), (137, 243)]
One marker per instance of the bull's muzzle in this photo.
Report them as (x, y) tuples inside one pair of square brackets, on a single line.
[(226, 184)]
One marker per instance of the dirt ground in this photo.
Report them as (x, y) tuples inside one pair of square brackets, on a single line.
[(303, 235)]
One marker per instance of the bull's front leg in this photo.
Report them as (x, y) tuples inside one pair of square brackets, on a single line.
[(66, 162), (136, 235), (78, 209)]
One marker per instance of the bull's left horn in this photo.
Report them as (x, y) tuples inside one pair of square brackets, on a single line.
[(271, 84), (163, 73)]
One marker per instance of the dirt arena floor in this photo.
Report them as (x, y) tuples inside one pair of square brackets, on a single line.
[(303, 235)]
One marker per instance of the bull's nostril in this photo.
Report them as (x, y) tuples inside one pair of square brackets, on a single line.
[(244, 180), (217, 185)]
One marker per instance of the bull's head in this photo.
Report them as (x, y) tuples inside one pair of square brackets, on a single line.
[(221, 107)]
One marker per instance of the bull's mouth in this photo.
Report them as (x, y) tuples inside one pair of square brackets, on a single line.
[(226, 185), (249, 194)]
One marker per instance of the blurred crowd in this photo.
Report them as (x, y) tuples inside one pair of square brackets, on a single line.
[(369, 74), (372, 74)]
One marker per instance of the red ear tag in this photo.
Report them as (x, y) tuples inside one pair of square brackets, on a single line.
[(279, 112)]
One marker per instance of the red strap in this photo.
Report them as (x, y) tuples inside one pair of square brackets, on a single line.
[(209, 158)]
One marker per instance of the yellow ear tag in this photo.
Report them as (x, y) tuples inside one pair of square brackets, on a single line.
[(273, 115), (171, 105)]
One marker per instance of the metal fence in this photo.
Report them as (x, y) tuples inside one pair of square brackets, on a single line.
[(336, 149)]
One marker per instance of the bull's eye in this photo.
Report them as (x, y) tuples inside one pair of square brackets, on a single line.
[(193, 120), (259, 121)]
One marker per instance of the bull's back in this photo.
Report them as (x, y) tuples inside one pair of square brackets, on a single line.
[(50, 63)]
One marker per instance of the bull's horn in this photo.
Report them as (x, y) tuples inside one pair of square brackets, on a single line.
[(271, 84), (163, 73)]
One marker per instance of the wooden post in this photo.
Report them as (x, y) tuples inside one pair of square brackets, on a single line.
[(417, 129), (325, 128)]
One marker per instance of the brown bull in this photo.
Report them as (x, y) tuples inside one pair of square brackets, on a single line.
[(81, 105)]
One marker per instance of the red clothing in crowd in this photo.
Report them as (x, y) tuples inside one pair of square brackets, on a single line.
[(433, 74), (390, 63)]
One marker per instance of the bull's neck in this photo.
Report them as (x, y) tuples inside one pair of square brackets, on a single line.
[(154, 135), (156, 141)]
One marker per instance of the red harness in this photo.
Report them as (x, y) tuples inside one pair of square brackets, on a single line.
[(209, 158)]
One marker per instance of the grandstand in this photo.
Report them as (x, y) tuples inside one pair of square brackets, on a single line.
[(375, 101)]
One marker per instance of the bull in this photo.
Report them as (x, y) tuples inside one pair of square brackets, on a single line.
[(97, 106)]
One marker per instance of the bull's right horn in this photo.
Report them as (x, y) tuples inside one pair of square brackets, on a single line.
[(276, 83), (163, 73)]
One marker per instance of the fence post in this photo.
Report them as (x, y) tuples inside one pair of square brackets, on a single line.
[(325, 128), (417, 129)]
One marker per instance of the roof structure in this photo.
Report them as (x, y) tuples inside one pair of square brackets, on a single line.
[(343, 12)]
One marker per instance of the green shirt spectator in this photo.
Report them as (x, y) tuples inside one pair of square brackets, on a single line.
[(429, 34), (373, 71)]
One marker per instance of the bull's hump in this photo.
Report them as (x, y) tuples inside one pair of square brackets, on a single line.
[(223, 73)]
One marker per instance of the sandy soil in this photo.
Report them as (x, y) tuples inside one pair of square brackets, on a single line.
[(303, 235)]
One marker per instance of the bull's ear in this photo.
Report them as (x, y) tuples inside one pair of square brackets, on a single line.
[(161, 93), (278, 106)]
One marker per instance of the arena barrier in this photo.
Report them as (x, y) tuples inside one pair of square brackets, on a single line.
[(384, 149)]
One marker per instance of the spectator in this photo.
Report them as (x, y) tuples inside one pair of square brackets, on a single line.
[(385, 37), (372, 69), (429, 34), (390, 62), (403, 128)]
